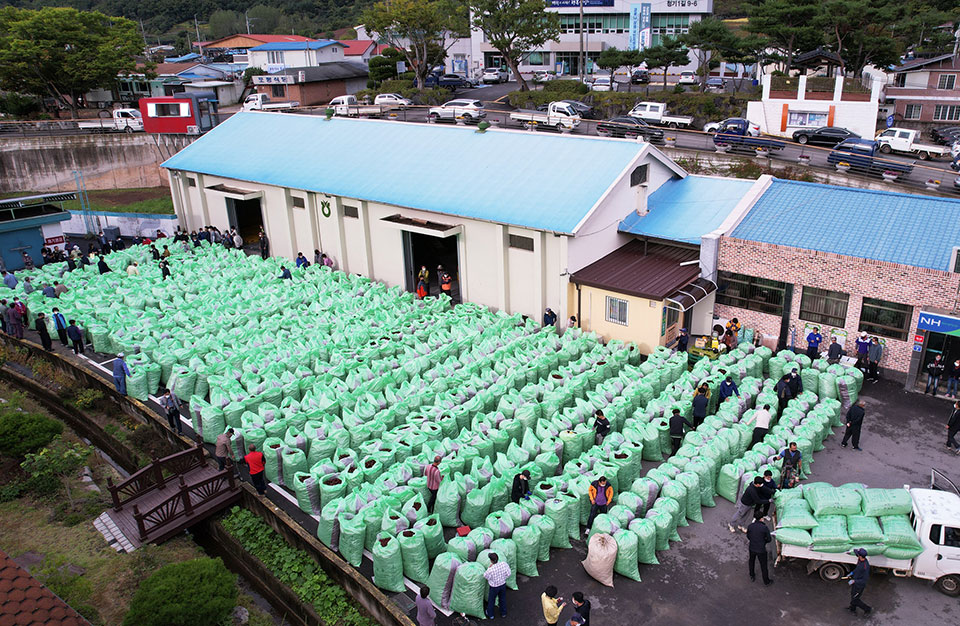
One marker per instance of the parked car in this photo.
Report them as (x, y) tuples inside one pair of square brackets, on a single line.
[(715, 84), (688, 78), (863, 157), (631, 128), (585, 110), (945, 134), (656, 113), (449, 81), (542, 76), (393, 99), (823, 136), (712, 127), (640, 77), (604, 83), (495, 75), (469, 110)]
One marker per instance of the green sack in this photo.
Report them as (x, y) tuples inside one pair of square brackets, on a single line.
[(627, 546), (501, 524), (864, 529), (441, 578), (332, 486), (388, 564), (352, 537), (476, 507), (902, 553), (448, 504), (898, 531), (547, 528), (432, 531), (795, 514), (294, 460), (831, 530), (793, 536), (832, 501), (692, 482), (556, 510), (506, 549), (646, 532), (469, 589), (675, 490), (413, 550), (307, 490), (273, 458), (393, 523), (877, 502), (527, 540)]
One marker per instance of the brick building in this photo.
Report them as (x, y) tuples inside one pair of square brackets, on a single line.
[(926, 91), (314, 85), (846, 260)]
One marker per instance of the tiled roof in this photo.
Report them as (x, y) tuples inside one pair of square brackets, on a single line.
[(334, 70), (914, 64), (296, 45), (24, 600), (172, 69), (900, 228), (356, 47), (651, 271), (260, 38), (686, 209)]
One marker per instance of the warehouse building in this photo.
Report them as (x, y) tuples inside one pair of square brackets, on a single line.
[(30, 223), (500, 209), (847, 260)]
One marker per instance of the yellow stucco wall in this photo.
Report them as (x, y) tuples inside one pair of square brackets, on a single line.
[(644, 317)]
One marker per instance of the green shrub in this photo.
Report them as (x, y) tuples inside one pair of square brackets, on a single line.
[(21, 433), (395, 86), (201, 592), (565, 86), (88, 398)]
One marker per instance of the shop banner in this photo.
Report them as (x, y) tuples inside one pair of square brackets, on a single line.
[(576, 3), (937, 323), (640, 26)]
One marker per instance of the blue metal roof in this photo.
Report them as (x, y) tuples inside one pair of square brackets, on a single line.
[(894, 227), (187, 57), (296, 45), (686, 209), (538, 180)]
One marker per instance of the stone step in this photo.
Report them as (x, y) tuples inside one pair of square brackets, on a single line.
[(112, 534)]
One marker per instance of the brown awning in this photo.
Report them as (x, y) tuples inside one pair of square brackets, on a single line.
[(646, 270), (693, 292), (424, 227)]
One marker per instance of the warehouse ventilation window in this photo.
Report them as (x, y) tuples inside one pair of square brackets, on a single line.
[(522, 243), (191, 182), (750, 292), (298, 202), (350, 211), (617, 311), (886, 319), (824, 306)]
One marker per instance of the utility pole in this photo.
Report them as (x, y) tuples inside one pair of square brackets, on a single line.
[(247, 18), (196, 25), (580, 61)]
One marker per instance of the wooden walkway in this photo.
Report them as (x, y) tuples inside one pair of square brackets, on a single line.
[(165, 497)]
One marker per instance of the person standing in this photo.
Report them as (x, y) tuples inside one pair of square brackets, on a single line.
[(60, 323), (171, 406), (424, 275), (683, 339), (601, 426), (874, 354), (752, 497), (858, 583), (552, 605), (863, 346), (953, 425), (758, 536), (432, 473), (792, 463), (446, 284), (601, 495), (761, 424), (423, 290), (264, 246), (4, 315), (834, 352), (15, 318), (164, 270), (677, 421), (728, 388), (581, 607), (426, 612), (769, 489), (497, 575), (521, 486), (854, 422), (549, 318), (796, 383), (783, 391), (75, 336), (814, 339), (734, 326), (317, 257), (934, 372), (41, 326), (255, 462), (953, 379), (237, 240), (222, 448), (301, 260), (701, 400), (120, 374)]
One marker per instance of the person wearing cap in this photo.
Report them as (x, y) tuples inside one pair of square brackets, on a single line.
[(814, 339), (863, 347), (758, 536), (120, 372), (521, 486), (677, 422), (432, 474), (858, 582), (601, 495), (549, 317), (682, 340), (576, 620), (601, 426)]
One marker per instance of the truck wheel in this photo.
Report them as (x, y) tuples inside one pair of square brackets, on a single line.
[(832, 571), (559, 127), (924, 155), (434, 116), (802, 140), (885, 149), (127, 129), (948, 585), (672, 125)]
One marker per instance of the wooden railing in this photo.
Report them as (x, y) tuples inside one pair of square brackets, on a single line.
[(184, 503), (155, 475)]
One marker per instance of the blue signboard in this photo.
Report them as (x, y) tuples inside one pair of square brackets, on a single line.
[(889, 121), (939, 323), (576, 3), (918, 347), (640, 27)]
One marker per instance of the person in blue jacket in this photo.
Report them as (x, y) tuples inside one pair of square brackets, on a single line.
[(858, 582), (728, 388), (120, 373), (814, 339), (285, 273)]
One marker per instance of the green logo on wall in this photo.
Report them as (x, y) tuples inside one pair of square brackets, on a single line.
[(325, 208)]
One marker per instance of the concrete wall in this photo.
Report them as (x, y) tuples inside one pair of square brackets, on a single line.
[(130, 224), (643, 318), (115, 161)]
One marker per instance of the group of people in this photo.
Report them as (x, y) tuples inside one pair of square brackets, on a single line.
[(550, 319), (444, 282), (936, 370)]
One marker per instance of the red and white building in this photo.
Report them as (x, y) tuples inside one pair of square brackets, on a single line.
[(926, 92), (359, 49)]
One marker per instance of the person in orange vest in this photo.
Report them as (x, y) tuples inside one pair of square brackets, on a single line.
[(446, 282), (422, 292), (601, 493)]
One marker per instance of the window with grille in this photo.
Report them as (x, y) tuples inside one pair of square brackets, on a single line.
[(351, 211), (523, 243), (900, 80), (275, 57), (750, 292), (278, 91), (912, 112), (886, 319), (946, 112), (824, 306), (298, 202), (946, 81), (616, 311)]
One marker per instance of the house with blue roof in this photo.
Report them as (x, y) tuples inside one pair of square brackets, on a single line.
[(278, 55), (509, 214), (853, 263)]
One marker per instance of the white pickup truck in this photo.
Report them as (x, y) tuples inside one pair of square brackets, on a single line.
[(121, 120), (262, 102), (656, 113), (904, 140), (558, 115), (936, 520), (347, 106)]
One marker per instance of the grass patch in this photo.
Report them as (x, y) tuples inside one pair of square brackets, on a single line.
[(154, 200)]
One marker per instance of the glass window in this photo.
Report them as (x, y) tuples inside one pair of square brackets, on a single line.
[(946, 81), (616, 310), (275, 56), (824, 306), (537, 58), (935, 533), (886, 319), (803, 118), (670, 318), (750, 292), (278, 91), (298, 202), (946, 113), (951, 537), (900, 80), (168, 109), (351, 211), (523, 243), (912, 112)]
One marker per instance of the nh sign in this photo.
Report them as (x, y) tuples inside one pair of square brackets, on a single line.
[(939, 323)]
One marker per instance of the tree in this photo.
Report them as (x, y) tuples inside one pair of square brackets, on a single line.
[(788, 24), (201, 592), (413, 26), (859, 31), (613, 59), (515, 27), (707, 37), (22, 432), (222, 23), (746, 51), (58, 461), (64, 53), (669, 53), (263, 18), (384, 67)]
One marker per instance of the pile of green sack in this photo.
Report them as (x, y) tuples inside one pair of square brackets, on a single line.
[(839, 519)]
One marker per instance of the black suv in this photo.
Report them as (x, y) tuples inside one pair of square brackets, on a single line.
[(640, 77)]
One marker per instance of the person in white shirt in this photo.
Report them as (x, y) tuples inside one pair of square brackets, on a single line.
[(133, 270), (761, 424)]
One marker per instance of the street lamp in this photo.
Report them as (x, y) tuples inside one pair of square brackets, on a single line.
[(580, 59)]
